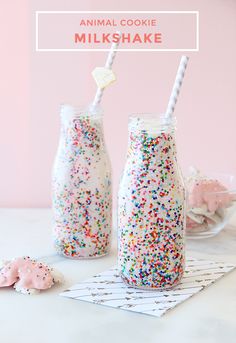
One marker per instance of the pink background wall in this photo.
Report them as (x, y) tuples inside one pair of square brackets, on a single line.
[(32, 86)]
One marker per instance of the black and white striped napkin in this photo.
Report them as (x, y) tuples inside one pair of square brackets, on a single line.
[(108, 289)]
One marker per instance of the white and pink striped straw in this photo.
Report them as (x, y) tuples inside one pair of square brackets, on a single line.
[(177, 85), (109, 63)]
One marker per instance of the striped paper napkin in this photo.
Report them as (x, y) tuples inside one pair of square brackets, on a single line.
[(108, 289)]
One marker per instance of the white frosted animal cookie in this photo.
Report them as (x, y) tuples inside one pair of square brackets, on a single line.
[(214, 217), (199, 210), (28, 276), (197, 218), (103, 77)]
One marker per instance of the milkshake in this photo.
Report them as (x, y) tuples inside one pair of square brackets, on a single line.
[(151, 206), (82, 196)]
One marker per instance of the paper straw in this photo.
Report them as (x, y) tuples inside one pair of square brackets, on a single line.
[(177, 85), (109, 62)]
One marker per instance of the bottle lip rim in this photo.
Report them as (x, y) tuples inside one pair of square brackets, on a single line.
[(152, 115), (76, 111), (151, 122)]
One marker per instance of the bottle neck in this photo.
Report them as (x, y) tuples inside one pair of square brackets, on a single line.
[(145, 146), (150, 134), (81, 130)]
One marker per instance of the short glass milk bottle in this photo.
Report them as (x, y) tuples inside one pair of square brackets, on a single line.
[(151, 206), (81, 187)]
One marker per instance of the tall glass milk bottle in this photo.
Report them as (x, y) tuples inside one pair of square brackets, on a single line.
[(81, 182), (151, 206)]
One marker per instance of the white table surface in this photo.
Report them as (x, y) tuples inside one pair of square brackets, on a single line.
[(209, 316)]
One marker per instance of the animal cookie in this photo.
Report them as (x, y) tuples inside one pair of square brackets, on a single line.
[(208, 200), (27, 276)]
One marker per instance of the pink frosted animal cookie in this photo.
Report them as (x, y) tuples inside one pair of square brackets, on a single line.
[(210, 192), (27, 276), (208, 201)]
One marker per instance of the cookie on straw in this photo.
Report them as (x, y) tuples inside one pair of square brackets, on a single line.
[(104, 74), (103, 77)]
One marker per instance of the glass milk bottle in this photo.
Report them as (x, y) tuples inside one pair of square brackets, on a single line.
[(81, 182), (151, 206)]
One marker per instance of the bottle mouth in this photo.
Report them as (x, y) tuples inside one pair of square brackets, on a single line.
[(151, 122), (70, 111)]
